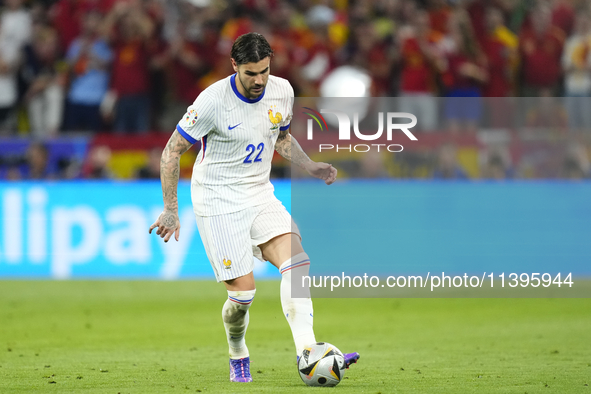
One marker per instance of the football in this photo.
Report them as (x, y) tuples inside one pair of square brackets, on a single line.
[(321, 364)]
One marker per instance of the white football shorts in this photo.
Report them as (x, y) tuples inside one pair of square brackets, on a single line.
[(231, 240)]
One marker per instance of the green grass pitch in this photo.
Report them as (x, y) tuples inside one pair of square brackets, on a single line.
[(167, 337)]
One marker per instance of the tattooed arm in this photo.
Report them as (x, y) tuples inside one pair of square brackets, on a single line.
[(285, 143), (168, 222), (289, 148)]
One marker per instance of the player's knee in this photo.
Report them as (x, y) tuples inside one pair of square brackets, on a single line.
[(296, 245), (296, 266)]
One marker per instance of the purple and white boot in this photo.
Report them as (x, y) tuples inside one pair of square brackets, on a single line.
[(240, 370)]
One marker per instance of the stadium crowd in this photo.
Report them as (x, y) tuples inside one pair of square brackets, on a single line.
[(133, 66)]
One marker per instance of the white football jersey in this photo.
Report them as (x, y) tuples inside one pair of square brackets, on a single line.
[(238, 138)]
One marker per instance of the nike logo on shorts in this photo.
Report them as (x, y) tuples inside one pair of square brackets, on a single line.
[(233, 127)]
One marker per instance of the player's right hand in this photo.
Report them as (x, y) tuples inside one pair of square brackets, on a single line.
[(168, 223)]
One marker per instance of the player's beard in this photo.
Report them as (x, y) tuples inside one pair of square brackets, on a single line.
[(251, 94)]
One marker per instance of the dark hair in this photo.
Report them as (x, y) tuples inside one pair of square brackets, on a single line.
[(250, 48)]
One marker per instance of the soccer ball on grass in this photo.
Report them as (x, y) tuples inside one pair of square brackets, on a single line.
[(321, 364)]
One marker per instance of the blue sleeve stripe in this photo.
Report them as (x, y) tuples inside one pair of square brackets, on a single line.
[(184, 134), (286, 127)]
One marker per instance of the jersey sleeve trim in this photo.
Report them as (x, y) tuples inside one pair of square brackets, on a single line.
[(286, 127), (185, 134)]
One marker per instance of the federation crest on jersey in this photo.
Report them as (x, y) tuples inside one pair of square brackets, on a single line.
[(275, 119), (191, 117)]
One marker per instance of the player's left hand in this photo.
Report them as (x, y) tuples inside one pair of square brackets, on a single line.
[(323, 171)]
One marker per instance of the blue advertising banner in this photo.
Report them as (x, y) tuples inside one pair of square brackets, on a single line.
[(415, 227), (100, 230)]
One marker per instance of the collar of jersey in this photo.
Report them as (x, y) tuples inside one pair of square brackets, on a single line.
[(240, 96)]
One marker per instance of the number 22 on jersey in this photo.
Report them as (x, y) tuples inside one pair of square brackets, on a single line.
[(251, 149)]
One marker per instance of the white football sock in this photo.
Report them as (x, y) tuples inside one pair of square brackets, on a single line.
[(235, 317), (298, 311)]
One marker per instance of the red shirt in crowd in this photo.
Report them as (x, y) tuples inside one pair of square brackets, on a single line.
[(454, 78), (477, 13), (499, 68), (439, 19), (540, 56), (379, 69), (417, 74), (236, 27), (563, 17), (187, 80), (130, 67), (67, 17)]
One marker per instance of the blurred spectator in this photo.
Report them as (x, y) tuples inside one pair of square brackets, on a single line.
[(96, 166), (67, 16), (374, 54), (282, 40), (495, 169), (129, 29), (191, 59), (576, 162), (563, 15), (37, 160), (540, 48), (9, 59), (15, 32), (13, 174), (497, 164), (15, 23), (518, 17), (316, 53), (447, 166), (158, 65), (576, 61), (421, 62), (152, 168), (88, 57), (439, 15), (476, 10), (40, 17), (43, 73), (465, 75), (281, 57), (500, 48)]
